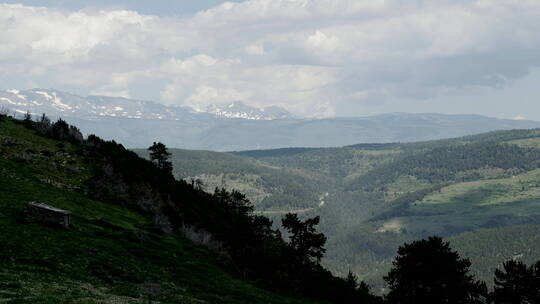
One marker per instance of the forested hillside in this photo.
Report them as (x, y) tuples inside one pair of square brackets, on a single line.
[(373, 197), (137, 233), (268, 187)]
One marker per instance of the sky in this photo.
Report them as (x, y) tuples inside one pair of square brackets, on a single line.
[(316, 58)]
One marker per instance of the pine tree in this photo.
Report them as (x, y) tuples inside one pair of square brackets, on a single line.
[(307, 244), (27, 116), (428, 271), (352, 280), (517, 283), (43, 124), (160, 156)]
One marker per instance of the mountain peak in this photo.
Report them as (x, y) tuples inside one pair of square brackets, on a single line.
[(238, 109), (61, 104)]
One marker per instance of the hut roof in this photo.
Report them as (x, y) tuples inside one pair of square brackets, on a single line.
[(51, 208)]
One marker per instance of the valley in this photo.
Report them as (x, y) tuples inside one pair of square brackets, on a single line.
[(379, 196), (269, 152), (480, 192)]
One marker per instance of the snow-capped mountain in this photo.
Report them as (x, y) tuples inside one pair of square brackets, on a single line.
[(238, 109), (57, 103), (137, 124)]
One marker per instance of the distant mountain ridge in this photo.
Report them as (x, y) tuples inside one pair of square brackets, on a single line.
[(238, 109), (57, 103), (237, 127), (61, 103)]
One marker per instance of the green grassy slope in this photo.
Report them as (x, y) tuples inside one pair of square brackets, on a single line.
[(380, 196), (108, 255)]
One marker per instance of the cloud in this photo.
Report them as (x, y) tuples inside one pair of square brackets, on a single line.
[(315, 57)]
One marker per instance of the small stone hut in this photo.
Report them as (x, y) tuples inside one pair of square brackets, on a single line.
[(43, 213)]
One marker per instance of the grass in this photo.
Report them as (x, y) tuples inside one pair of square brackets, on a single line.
[(107, 255), (469, 206), (528, 142), (491, 191), (403, 185)]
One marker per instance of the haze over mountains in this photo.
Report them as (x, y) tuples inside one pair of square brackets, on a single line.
[(237, 126)]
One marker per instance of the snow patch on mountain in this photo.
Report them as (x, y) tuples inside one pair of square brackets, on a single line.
[(238, 109), (8, 100), (17, 93), (62, 104)]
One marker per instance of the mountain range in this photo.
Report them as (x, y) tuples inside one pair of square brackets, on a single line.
[(137, 123), (479, 192), (238, 109)]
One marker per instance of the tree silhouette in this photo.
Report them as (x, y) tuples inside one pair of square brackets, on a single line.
[(517, 283), (352, 280), (160, 156), (43, 124), (306, 243), (237, 201), (428, 271), (60, 129), (27, 116)]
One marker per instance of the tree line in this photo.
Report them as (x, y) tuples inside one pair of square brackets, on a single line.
[(424, 271), (248, 243), (442, 164)]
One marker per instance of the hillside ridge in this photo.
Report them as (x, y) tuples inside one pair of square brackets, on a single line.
[(134, 226), (381, 195)]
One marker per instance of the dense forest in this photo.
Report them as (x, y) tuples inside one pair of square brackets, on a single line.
[(374, 197)]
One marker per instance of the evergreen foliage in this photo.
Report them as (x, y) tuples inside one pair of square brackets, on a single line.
[(160, 156), (112, 249), (373, 198), (27, 117), (428, 271), (442, 164), (517, 284), (43, 124), (306, 244)]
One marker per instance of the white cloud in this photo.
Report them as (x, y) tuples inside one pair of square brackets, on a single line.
[(255, 49), (310, 56)]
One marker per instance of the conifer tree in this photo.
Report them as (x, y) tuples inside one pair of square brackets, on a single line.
[(517, 284), (160, 156), (428, 271), (352, 280), (307, 244)]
